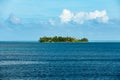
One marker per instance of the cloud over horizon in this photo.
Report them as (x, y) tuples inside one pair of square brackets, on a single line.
[(81, 17), (13, 19)]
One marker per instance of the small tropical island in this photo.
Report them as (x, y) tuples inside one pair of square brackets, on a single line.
[(61, 39)]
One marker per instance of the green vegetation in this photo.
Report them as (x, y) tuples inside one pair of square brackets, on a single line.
[(62, 39)]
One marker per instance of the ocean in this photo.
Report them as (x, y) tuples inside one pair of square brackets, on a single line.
[(59, 61)]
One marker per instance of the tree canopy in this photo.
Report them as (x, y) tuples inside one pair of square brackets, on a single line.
[(62, 39)]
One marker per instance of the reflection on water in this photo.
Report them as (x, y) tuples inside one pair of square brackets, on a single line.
[(59, 61), (19, 63)]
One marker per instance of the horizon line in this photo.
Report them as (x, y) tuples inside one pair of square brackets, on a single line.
[(58, 42)]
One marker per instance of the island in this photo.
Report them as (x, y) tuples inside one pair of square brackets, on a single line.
[(62, 39)]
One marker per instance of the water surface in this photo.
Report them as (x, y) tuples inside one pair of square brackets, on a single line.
[(59, 61)]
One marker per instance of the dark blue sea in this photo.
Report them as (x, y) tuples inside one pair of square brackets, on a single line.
[(59, 61)]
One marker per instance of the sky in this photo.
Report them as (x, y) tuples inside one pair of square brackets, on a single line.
[(28, 20)]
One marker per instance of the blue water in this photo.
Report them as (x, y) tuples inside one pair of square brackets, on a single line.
[(59, 61)]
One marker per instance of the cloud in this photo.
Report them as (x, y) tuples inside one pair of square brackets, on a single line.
[(13, 19), (81, 17), (66, 16), (52, 22)]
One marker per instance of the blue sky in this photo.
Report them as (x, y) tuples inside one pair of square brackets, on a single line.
[(27, 20)]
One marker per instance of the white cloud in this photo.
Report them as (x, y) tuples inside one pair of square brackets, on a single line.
[(81, 17), (66, 16), (100, 16), (13, 19)]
